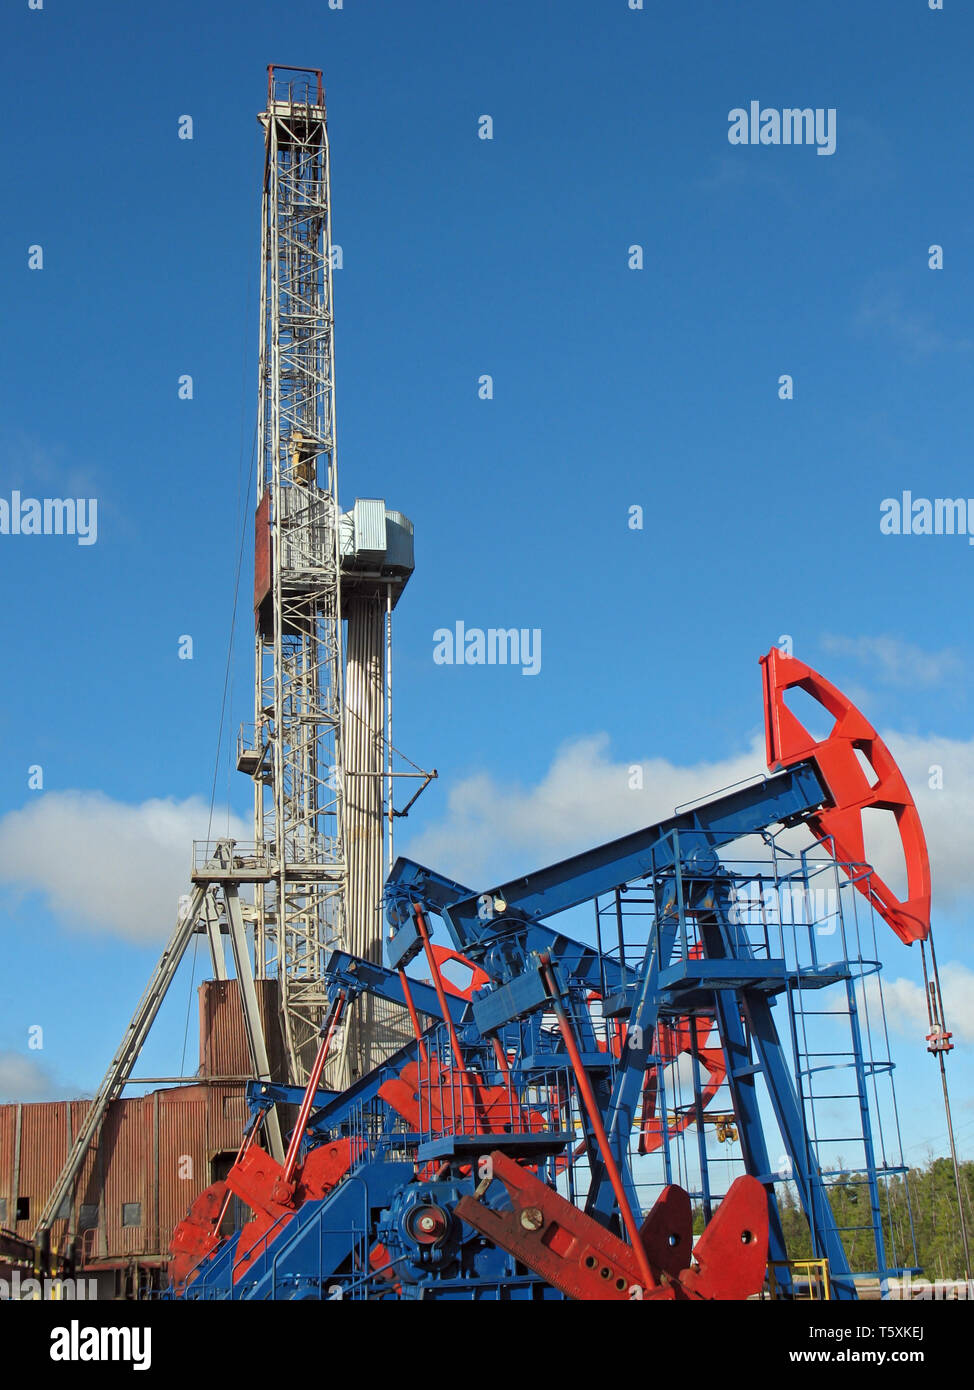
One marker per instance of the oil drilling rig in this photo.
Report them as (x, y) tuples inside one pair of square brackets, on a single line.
[(519, 1110), (319, 748)]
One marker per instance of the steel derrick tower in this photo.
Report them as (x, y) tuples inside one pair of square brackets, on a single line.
[(298, 713), (321, 819), (321, 747)]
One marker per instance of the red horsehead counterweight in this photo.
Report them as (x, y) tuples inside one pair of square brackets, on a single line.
[(839, 824)]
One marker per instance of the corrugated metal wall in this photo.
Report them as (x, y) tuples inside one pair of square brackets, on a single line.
[(155, 1150), (223, 1039), (8, 1115)]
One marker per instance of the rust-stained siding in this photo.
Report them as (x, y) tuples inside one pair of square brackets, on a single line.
[(125, 1145), (184, 1169), (43, 1145), (44, 1141), (223, 1038), (88, 1190), (156, 1150), (8, 1123)]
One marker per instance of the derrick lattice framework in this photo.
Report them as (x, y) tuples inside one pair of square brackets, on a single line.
[(299, 802)]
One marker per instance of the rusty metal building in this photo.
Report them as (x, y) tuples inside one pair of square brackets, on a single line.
[(155, 1153)]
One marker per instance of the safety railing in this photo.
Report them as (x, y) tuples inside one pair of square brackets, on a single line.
[(803, 911), (481, 1093), (300, 86), (804, 1281), (232, 855)]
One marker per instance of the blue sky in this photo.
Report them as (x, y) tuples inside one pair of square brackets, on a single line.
[(612, 387)]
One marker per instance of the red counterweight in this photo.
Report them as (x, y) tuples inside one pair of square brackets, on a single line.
[(577, 1255), (839, 824)]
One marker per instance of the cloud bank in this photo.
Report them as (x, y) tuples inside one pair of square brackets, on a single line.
[(103, 865)]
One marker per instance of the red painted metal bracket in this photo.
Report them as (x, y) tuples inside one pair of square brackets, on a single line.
[(478, 978), (672, 1039), (674, 1042), (577, 1255), (261, 1182), (850, 789), (556, 1240), (730, 1258), (667, 1232), (430, 1098), (196, 1235)]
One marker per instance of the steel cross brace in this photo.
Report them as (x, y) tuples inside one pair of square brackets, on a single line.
[(411, 882), (126, 1055), (352, 971), (628, 1084), (256, 1043), (708, 900), (751, 1005)]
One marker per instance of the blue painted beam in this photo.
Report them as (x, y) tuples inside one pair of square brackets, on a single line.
[(722, 974), (693, 835), (412, 882), (356, 973), (495, 1007)]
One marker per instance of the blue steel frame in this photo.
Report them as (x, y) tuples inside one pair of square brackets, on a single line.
[(500, 930), (682, 852)]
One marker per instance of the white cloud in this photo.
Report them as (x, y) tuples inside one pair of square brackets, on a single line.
[(24, 1078), (947, 813), (897, 663), (583, 799), (104, 865), (107, 866), (906, 1008)]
